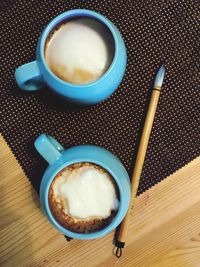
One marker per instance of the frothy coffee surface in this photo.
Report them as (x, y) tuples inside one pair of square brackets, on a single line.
[(79, 51), (83, 197)]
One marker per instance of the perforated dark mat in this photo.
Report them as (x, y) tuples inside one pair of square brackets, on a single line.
[(154, 31)]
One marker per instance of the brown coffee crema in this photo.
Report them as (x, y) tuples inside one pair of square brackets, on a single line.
[(59, 205)]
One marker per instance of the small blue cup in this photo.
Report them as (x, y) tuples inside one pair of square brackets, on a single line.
[(34, 75), (58, 158)]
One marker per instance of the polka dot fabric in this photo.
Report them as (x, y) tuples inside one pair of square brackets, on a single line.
[(154, 31)]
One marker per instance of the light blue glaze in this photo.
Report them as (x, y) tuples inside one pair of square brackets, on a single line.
[(31, 76), (61, 158)]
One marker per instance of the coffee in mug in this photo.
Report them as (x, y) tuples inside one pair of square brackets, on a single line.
[(80, 56), (83, 197), (88, 198), (80, 50)]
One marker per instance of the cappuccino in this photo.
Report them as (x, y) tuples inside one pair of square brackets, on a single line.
[(79, 51), (83, 197)]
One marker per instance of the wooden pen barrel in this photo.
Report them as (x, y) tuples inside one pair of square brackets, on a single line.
[(135, 179)]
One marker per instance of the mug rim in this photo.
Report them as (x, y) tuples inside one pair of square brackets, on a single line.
[(76, 13), (115, 222)]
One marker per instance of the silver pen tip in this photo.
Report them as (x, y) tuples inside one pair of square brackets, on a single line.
[(159, 76)]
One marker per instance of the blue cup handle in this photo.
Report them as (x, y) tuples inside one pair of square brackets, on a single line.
[(48, 148), (28, 77)]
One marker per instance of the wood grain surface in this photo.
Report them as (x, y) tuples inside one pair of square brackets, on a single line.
[(164, 229)]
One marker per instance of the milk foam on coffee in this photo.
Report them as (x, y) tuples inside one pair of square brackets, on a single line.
[(87, 192), (80, 51)]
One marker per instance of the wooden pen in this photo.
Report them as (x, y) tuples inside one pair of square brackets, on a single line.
[(122, 233)]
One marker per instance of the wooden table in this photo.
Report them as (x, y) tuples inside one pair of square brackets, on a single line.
[(164, 231)]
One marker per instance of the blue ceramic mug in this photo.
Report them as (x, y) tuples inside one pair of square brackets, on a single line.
[(58, 158), (34, 75)]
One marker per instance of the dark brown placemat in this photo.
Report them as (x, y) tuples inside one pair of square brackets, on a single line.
[(153, 31)]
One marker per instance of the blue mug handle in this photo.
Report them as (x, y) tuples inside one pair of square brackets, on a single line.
[(48, 148), (28, 77)]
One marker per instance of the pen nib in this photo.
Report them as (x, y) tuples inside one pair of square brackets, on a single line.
[(159, 76)]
